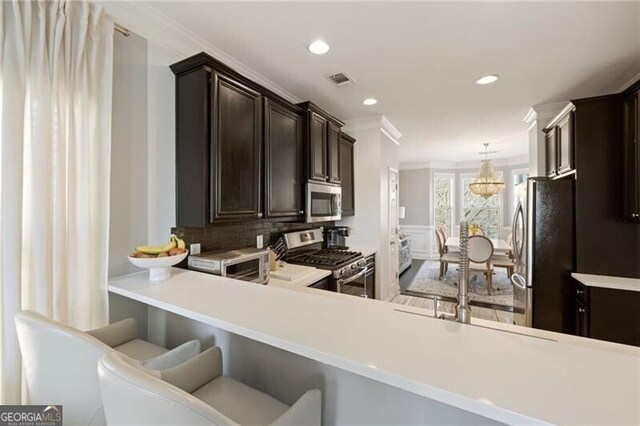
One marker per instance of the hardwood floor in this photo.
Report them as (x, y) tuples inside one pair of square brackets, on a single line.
[(407, 276), (448, 307)]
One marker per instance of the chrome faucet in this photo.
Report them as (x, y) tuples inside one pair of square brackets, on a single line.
[(463, 310)]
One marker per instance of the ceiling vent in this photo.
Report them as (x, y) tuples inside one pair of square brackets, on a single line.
[(341, 79)]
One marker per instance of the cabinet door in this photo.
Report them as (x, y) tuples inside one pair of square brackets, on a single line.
[(550, 152), (192, 149), (283, 161), (631, 165), (236, 150), (317, 147), (333, 145), (346, 172), (564, 135), (582, 319)]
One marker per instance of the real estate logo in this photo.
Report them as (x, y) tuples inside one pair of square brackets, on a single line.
[(30, 415)]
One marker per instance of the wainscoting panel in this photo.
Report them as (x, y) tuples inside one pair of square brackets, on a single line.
[(423, 243)]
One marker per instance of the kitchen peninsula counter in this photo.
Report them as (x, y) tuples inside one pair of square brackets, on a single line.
[(505, 376)]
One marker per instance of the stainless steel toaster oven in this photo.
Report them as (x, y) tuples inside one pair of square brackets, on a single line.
[(247, 264)]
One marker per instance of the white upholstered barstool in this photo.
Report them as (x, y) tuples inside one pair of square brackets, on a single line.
[(194, 393), (60, 362)]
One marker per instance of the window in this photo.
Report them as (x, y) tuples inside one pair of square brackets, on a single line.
[(443, 190), (486, 213)]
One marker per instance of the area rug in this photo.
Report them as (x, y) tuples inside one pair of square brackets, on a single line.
[(426, 281)]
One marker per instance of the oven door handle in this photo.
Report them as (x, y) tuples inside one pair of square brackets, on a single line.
[(351, 278)]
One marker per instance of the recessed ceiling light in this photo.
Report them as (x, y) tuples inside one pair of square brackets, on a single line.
[(319, 47), (487, 79), (370, 101)]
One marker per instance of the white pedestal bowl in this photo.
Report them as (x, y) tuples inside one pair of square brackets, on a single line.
[(159, 267)]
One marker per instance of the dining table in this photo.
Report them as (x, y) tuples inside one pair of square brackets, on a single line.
[(500, 246)]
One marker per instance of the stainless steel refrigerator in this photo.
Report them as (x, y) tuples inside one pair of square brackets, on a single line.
[(544, 250)]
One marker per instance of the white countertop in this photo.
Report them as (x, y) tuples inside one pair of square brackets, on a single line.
[(302, 282), (506, 376), (604, 281), (366, 251)]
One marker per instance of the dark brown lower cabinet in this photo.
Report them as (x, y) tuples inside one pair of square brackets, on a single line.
[(607, 314), (631, 165), (322, 284)]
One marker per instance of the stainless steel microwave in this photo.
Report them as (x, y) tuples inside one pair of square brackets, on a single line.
[(248, 264), (324, 202)]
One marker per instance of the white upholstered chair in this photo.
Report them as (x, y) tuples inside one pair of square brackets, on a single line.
[(480, 252), (505, 260), (194, 393), (60, 362), (445, 256)]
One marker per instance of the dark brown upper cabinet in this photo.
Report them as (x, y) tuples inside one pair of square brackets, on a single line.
[(236, 150), (333, 152), (192, 148), (243, 151), (346, 173), (284, 177), (322, 141), (317, 147), (631, 164), (559, 144)]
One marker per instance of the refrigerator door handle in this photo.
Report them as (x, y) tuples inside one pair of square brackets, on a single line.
[(515, 241), (519, 281)]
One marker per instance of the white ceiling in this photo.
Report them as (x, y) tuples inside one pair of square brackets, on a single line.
[(421, 60)]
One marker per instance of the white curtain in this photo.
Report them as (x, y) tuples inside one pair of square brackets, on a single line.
[(56, 65)]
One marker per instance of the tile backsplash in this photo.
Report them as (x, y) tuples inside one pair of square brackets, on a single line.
[(242, 234)]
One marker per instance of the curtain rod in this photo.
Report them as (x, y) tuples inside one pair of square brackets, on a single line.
[(122, 30)]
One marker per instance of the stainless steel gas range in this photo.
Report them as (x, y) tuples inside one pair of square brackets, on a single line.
[(348, 268)]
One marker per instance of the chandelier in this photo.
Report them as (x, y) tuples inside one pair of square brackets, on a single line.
[(487, 183)]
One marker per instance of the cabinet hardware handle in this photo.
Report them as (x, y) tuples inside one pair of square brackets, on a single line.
[(300, 211), (635, 215), (259, 214), (581, 310)]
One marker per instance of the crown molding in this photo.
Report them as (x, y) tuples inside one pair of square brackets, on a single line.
[(143, 19), (377, 122), (543, 112), (629, 83)]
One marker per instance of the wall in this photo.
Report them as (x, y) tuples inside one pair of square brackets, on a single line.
[(374, 153), (143, 148), (414, 196), (128, 207)]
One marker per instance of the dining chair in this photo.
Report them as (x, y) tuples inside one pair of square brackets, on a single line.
[(480, 251), (60, 362), (194, 393), (505, 260), (445, 256)]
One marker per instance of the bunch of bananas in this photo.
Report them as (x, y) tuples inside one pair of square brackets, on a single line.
[(174, 247)]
